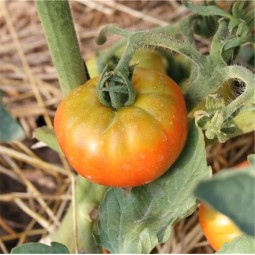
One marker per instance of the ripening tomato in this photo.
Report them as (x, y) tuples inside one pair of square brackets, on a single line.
[(145, 58), (130, 146), (218, 228), (224, 5), (243, 164), (148, 58)]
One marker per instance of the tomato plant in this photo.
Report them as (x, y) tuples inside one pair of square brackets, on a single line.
[(218, 228), (130, 146), (127, 127)]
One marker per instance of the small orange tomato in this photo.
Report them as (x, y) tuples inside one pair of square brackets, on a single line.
[(218, 228), (242, 164)]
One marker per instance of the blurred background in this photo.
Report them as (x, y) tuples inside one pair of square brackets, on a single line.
[(35, 189)]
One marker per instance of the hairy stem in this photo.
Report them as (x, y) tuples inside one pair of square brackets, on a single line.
[(217, 43), (63, 44), (156, 39)]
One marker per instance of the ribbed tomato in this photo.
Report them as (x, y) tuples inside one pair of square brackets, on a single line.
[(131, 146)]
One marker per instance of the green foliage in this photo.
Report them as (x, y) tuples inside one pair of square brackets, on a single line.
[(39, 248), (139, 220), (214, 103), (232, 193), (10, 130), (251, 159), (246, 56), (88, 196), (244, 122), (240, 245), (47, 135), (241, 20)]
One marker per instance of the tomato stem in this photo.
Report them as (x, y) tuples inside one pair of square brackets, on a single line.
[(63, 44), (115, 88)]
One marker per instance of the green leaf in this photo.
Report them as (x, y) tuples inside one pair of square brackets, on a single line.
[(136, 222), (251, 159), (233, 194), (87, 195), (210, 10), (241, 245), (47, 135), (39, 248), (246, 55), (10, 130)]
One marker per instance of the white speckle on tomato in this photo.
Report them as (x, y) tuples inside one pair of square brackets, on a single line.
[(160, 158), (127, 167)]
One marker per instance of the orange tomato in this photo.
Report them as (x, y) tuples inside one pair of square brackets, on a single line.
[(218, 228), (131, 146)]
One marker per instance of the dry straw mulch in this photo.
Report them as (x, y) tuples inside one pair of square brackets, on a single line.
[(35, 182)]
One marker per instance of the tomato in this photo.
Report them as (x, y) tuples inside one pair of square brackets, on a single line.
[(145, 58), (130, 146), (148, 58), (218, 228), (243, 164), (92, 67), (224, 5)]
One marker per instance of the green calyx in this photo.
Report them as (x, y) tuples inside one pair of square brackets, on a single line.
[(115, 88)]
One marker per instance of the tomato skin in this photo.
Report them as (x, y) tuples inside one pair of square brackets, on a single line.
[(218, 228), (145, 58), (128, 147), (243, 164)]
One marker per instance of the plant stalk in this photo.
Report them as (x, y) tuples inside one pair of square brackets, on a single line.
[(62, 41)]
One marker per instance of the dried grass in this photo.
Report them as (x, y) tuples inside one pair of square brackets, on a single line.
[(35, 183)]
